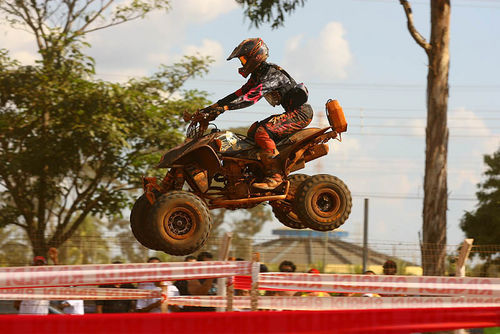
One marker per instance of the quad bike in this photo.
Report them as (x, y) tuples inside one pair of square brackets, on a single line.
[(217, 169)]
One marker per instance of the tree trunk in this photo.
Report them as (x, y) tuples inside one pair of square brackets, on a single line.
[(435, 182)]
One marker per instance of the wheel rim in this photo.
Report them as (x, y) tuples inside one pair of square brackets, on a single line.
[(326, 203), (180, 224)]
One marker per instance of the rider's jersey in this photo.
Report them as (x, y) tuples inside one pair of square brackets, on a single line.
[(269, 81)]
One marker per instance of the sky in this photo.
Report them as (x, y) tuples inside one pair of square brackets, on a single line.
[(358, 52)]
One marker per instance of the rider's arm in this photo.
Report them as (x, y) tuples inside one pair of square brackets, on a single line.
[(246, 96)]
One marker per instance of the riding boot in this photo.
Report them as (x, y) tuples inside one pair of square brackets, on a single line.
[(272, 171)]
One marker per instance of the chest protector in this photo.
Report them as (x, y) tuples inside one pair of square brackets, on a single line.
[(290, 95)]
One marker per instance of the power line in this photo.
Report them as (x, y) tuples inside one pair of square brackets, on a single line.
[(453, 4), (342, 85), (404, 196)]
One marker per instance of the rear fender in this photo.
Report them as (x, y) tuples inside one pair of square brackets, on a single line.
[(293, 153)]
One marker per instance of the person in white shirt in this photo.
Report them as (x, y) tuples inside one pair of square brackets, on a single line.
[(72, 307), (153, 305), (33, 306)]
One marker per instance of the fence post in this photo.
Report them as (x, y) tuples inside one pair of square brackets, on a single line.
[(462, 257), (164, 296), (254, 292), (222, 256)]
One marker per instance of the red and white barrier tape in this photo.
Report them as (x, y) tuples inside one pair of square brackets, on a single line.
[(59, 293), (47, 276), (383, 284), (337, 303)]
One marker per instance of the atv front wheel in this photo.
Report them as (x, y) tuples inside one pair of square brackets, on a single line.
[(283, 210), (181, 221), (139, 223), (323, 202)]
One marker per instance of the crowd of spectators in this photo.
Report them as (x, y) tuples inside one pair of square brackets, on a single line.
[(194, 287)]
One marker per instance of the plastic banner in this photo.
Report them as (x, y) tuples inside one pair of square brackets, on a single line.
[(337, 303), (48, 276), (60, 293), (381, 284)]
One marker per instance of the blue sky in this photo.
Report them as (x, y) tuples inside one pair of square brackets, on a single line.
[(359, 52)]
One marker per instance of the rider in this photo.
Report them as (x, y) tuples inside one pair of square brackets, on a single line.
[(278, 88)]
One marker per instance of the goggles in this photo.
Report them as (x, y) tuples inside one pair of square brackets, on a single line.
[(243, 60)]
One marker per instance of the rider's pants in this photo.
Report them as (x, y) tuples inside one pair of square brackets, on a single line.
[(277, 127)]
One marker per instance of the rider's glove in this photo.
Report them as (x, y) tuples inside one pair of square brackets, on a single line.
[(212, 112)]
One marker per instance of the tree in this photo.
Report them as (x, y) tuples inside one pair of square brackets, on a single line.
[(70, 146), (436, 137), (483, 223), (13, 248), (269, 11), (87, 245)]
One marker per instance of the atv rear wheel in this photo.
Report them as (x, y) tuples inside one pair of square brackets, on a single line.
[(181, 221), (140, 225), (323, 202), (283, 210)]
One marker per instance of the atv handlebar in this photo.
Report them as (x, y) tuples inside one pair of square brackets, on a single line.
[(196, 128)]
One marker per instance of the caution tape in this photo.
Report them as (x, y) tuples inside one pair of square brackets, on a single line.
[(338, 303), (382, 284), (51, 276), (61, 293)]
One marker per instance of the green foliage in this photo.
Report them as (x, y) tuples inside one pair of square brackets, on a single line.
[(88, 245), (70, 145), (483, 223), (269, 11)]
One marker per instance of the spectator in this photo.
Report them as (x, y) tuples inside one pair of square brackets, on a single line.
[(263, 268), (72, 307), (390, 267), (190, 258), (198, 287), (116, 306), (153, 305), (285, 267), (33, 306), (315, 293)]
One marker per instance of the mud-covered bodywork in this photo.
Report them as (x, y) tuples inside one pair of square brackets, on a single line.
[(218, 170)]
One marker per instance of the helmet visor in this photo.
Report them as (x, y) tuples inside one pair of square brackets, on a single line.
[(243, 60)]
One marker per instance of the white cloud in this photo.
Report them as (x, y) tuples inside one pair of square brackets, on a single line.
[(203, 11), (20, 44), (327, 56), (466, 171), (207, 48)]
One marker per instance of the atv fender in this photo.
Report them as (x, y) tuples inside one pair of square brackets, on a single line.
[(202, 155)]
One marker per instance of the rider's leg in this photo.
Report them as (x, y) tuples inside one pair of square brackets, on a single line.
[(267, 153), (278, 126)]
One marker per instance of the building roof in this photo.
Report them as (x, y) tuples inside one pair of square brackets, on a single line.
[(308, 248)]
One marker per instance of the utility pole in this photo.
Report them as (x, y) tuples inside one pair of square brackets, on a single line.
[(365, 237)]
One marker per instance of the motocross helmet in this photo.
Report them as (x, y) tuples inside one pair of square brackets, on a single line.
[(251, 52)]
